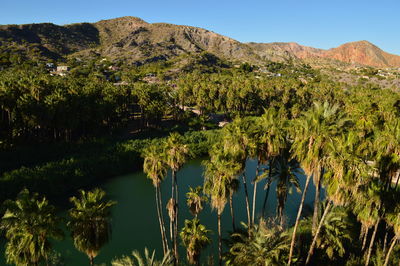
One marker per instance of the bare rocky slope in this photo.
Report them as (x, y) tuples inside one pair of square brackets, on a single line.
[(126, 37), (356, 53), (133, 39)]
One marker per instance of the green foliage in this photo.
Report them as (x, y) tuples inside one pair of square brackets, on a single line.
[(29, 223), (147, 260), (195, 237), (90, 221), (63, 177), (261, 245), (336, 234), (195, 200)]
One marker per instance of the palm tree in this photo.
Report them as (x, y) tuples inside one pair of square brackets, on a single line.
[(387, 145), (285, 172), (29, 223), (90, 221), (195, 200), (347, 171), (393, 219), (334, 233), (156, 169), (368, 208), (219, 173), (270, 139), (176, 153), (237, 142), (312, 133), (147, 260), (261, 245), (195, 238)]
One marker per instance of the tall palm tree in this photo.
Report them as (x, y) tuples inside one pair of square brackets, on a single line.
[(387, 145), (237, 142), (176, 153), (346, 172), (368, 208), (195, 238), (393, 219), (195, 200), (29, 223), (311, 134), (218, 174), (270, 138), (285, 172), (90, 221), (156, 169)]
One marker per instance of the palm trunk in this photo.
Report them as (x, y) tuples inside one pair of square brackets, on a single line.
[(219, 239), (162, 219), (176, 219), (266, 198), (232, 212), (172, 220), (397, 179), (280, 215), (385, 239), (371, 243), (159, 219), (255, 192), (268, 186), (91, 260), (303, 197), (171, 234), (311, 251), (316, 205), (247, 199), (365, 239), (394, 240)]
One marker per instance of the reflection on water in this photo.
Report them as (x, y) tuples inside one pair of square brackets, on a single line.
[(135, 224)]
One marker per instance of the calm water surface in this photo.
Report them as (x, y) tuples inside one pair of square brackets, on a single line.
[(135, 224)]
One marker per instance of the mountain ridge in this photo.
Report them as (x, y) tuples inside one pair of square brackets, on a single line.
[(133, 39)]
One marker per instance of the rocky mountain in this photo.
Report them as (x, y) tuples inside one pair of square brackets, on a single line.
[(356, 53), (135, 40), (364, 53), (127, 37)]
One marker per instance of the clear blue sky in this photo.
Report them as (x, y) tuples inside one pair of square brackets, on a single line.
[(317, 23)]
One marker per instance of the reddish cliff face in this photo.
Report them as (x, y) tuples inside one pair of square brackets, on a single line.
[(364, 53)]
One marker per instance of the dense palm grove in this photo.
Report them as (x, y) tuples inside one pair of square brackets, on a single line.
[(298, 126)]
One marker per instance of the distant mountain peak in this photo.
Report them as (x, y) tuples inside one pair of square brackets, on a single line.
[(364, 53), (359, 52), (126, 19)]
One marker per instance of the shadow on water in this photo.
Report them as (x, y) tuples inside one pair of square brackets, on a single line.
[(135, 224)]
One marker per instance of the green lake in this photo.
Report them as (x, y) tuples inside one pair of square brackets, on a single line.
[(134, 219)]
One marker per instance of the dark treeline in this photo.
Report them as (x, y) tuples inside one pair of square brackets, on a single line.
[(36, 106), (59, 178)]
